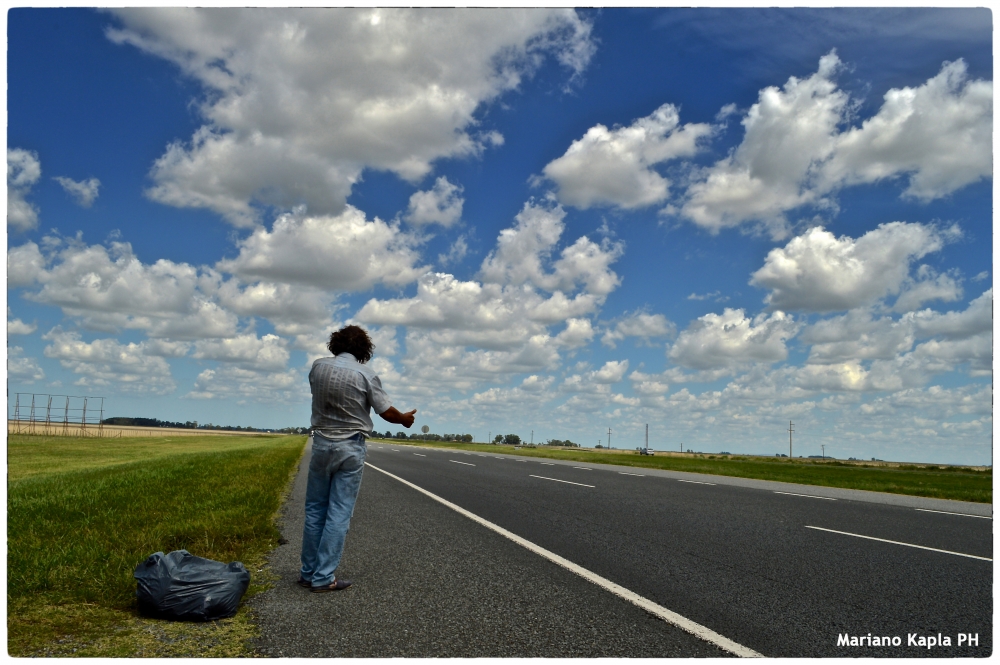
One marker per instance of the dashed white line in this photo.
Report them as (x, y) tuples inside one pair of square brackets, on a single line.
[(419, 455), (653, 608), (457, 462), (925, 510), (808, 496), (547, 463), (561, 481), (896, 542), (625, 473), (696, 482), (585, 468), (394, 450)]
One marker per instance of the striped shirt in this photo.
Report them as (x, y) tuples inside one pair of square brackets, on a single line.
[(343, 392)]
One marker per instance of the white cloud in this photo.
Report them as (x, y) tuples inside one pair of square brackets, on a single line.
[(928, 285), (731, 338), (794, 154), (786, 132), (506, 316), (22, 369), (293, 310), (976, 319), (857, 336), (345, 252), (267, 353), (940, 134), (817, 272), (441, 204), (578, 332), (25, 265), (245, 385), (615, 167), (456, 252), (522, 250), (639, 324), (23, 171), (83, 192), (18, 327), (109, 364), (300, 101), (109, 288)]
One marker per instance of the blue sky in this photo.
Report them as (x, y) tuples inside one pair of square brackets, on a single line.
[(553, 222)]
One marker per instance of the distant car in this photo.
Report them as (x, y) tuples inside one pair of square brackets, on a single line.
[(645, 451)]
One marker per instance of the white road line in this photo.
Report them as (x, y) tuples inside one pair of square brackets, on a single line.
[(394, 450), (696, 482), (457, 462), (653, 608), (521, 460), (808, 496), (625, 473), (896, 542), (585, 468), (419, 455), (925, 510), (561, 481), (547, 463)]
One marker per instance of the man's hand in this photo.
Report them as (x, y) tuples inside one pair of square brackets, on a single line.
[(394, 416)]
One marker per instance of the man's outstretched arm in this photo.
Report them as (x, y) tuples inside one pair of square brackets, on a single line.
[(393, 415)]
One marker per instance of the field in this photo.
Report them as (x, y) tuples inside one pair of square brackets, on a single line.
[(83, 512), (950, 482)]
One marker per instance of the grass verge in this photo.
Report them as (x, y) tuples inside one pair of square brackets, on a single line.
[(78, 525), (958, 483)]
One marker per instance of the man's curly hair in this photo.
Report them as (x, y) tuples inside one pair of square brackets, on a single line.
[(353, 340)]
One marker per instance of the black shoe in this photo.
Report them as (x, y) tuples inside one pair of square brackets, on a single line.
[(336, 585), (304, 584)]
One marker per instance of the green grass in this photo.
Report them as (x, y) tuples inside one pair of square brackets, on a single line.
[(82, 513), (959, 483)]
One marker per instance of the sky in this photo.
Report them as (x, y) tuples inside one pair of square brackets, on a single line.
[(552, 222)]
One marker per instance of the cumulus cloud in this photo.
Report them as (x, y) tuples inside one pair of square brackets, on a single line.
[(293, 310), (524, 248), (732, 338), (19, 327), (109, 364), (25, 265), (83, 192), (267, 353), (442, 204), (939, 134), (23, 171), (109, 288), (817, 272), (244, 385), (301, 101), (345, 252), (786, 131), (20, 368), (639, 324), (794, 153), (615, 167)]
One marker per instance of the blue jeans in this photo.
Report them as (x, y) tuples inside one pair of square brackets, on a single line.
[(334, 480)]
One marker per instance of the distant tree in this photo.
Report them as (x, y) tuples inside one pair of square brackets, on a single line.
[(511, 439), (498, 438)]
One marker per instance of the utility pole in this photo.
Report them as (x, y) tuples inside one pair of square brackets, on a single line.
[(647, 437), (790, 430), (532, 437), (489, 437), (609, 438), (823, 446)]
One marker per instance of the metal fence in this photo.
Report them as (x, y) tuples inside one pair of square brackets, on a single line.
[(66, 415)]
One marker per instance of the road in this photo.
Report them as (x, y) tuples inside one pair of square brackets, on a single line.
[(782, 570)]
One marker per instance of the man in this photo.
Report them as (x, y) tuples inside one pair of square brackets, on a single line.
[(343, 391)]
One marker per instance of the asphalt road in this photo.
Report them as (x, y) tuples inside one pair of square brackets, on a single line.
[(779, 573)]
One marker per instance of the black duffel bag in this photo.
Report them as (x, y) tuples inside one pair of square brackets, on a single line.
[(184, 587)]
